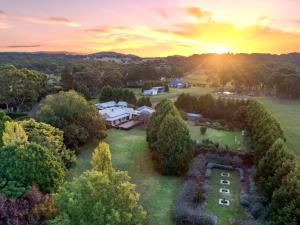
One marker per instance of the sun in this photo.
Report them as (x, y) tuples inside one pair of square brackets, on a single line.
[(219, 49)]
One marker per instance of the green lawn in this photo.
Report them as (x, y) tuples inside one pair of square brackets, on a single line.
[(220, 136), (130, 152), (174, 93), (224, 213), (288, 114)]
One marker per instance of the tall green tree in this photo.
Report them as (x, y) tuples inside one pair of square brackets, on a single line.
[(144, 101), (174, 145), (70, 112), (30, 164), (99, 199), (285, 205), (101, 158), (164, 108), (51, 138), (20, 86), (270, 175), (106, 94)]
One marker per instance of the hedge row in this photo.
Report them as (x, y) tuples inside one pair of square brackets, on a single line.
[(277, 169)]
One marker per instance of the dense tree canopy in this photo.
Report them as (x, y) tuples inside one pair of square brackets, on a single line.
[(70, 112), (144, 101), (117, 94), (164, 108), (25, 165), (19, 87), (51, 138), (174, 145), (99, 199)]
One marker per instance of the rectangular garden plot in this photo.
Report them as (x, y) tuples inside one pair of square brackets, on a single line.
[(234, 209)]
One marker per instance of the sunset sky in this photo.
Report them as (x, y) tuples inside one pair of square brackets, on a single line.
[(150, 28)]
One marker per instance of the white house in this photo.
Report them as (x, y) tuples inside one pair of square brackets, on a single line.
[(145, 110), (150, 92), (110, 104), (117, 115)]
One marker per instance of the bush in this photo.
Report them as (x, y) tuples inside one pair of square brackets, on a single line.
[(208, 173), (244, 199), (257, 210), (196, 219), (203, 130)]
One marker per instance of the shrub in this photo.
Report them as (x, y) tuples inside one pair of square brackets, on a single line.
[(203, 130), (208, 173), (244, 199), (31, 164), (257, 210)]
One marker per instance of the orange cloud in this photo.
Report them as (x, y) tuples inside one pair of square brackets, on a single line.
[(198, 12)]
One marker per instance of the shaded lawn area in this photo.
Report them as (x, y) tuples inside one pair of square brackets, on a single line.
[(224, 213), (288, 114), (130, 152), (220, 136)]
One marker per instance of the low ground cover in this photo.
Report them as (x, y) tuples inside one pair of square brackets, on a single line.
[(224, 213), (219, 136)]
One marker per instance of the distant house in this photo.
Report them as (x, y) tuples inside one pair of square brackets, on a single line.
[(160, 89), (111, 104), (193, 116), (144, 113), (115, 116), (178, 83), (150, 92), (145, 110)]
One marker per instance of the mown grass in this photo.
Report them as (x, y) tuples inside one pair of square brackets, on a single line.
[(224, 213), (288, 114), (220, 136), (174, 93), (130, 152)]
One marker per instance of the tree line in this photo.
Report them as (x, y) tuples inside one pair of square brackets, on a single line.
[(232, 111), (277, 169)]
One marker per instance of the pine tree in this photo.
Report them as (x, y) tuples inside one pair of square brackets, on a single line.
[(101, 159), (174, 145)]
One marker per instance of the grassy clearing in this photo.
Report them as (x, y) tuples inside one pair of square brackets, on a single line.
[(174, 93), (288, 114), (130, 152), (224, 213), (220, 136)]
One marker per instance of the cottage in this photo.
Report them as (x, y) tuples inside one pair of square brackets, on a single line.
[(115, 116), (193, 116), (111, 104), (159, 89), (150, 92), (178, 83)]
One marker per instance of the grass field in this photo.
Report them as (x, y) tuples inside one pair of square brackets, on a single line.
[(174, 93), (224, 213), (220, 136), (130, 152), (288, 114)]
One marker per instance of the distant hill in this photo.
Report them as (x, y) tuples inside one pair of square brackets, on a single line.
[(114, 56)]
